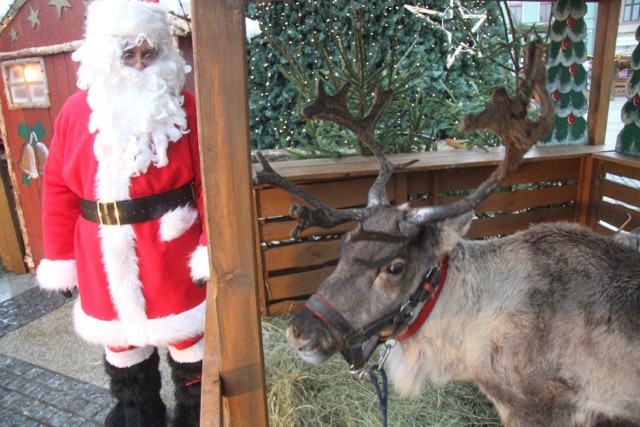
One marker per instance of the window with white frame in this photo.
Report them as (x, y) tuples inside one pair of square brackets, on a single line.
[(516, 11), (631, 10), (545, 11), (25, 82)]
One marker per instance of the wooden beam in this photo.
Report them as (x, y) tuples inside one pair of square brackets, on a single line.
[(233, 341), (10, 238), (605, 35)]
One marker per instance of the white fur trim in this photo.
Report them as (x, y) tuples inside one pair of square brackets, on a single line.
[(195, 353), (174, 223), (127, 19), (121, 265), (57, 275), (128, 358), (157, 332), (199, 264)]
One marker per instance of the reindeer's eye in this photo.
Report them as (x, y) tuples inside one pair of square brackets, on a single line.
[(395, 268)]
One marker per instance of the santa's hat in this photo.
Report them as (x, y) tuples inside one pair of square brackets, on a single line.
[(127, 19)]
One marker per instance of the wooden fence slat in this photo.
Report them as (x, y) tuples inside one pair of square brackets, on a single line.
[(552, 170), (303, 255), (616, 215), (279, 231), (289, 306), (599, 228), (622, 170), (275, 202), (297, 284), (620, 192), (509, 224), (527, 173), (514, 201)]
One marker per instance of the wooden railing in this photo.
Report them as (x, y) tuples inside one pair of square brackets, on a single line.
[(614, 192), (553, 184)]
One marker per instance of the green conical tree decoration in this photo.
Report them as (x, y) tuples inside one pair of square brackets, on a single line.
[(567, 77), (629, 137)]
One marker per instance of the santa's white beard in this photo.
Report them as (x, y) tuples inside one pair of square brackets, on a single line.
[(136, 114)]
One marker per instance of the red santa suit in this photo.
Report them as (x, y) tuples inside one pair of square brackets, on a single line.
[(135, 281)]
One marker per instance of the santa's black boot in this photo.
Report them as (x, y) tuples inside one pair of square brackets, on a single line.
[(137, 391), (187, 378)]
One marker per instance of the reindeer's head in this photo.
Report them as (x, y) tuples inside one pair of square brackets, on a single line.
[(391, 263)]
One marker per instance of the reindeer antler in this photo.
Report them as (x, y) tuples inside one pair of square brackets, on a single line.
[(508, 119), (334, 108), (321, 216)]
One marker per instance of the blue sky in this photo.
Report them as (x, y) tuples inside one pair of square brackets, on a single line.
[(4, 6)]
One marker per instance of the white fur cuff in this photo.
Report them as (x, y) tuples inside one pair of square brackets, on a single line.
[(173, 224), (199, 264), (57, 275)]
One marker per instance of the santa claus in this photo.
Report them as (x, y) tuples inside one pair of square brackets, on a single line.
[(123, 212)]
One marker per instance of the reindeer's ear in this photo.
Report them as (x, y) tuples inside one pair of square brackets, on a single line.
[(462, 222), (454, 229), (408, 229)]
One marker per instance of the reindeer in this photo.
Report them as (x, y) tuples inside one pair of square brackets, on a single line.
[(546, 321)]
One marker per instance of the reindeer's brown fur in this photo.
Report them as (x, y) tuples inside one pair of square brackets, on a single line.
[(546, 322)]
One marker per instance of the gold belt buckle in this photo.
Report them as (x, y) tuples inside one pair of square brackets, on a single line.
[(103, 213)]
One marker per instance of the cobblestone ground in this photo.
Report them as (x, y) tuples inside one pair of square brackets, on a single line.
[(21, 309), (34, 396)]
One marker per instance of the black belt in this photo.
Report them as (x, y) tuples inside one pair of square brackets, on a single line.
[(137, 210)]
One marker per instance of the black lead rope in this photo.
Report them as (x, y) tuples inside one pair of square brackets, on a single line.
[(383, 394)]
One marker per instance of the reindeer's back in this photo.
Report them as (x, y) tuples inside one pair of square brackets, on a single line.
[(581, 272), (571, 324)]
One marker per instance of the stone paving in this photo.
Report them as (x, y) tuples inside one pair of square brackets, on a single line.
[(48, 376), (21, 310), (34, 396), (31, 395)]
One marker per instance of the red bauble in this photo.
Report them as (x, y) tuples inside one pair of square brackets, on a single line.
[(556, 96), (566, 44), (636, 100), (571, 22), (571, 119), (573, 69)]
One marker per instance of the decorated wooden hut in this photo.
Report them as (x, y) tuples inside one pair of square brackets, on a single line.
[(252, 276), (37, 38)]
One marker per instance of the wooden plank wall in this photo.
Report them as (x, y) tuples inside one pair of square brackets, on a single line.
[(615, 194), (545, 188)]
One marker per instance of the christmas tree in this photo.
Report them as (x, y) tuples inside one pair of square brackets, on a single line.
[(567, 77), (629, 137), (316, 33)]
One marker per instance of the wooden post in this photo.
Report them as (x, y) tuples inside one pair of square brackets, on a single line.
[(233, 374), (10, 239), (605, 35)]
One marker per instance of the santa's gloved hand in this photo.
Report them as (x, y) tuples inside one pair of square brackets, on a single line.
[(199, 266), (67, 293), (58, 276)]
